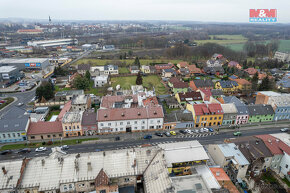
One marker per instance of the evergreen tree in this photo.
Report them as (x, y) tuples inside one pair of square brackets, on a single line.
[(137, 62), (45, 90), (139, 79), (81, 83), (254, 81), (88, 75), (265, 85)]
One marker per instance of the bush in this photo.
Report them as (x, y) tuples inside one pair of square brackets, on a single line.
[(49, 143), (43, 143), (55, 108)]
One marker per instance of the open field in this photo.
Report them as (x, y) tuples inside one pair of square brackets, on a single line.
[(148, 82), (100, 62)]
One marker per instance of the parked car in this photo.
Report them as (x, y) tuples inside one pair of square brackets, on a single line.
[(238, 133), (172, 133), (147, 136), (284, 129), (201, 130), (5, 152), (25, 150), (19, 104), (159, 134), (117, 138), (187, 131), (196, 131), (205, 129), (210, 129), (167, 134), (64, 147), (97, 150), (182, 131), (40, 149)]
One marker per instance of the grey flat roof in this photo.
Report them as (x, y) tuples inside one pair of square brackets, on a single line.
[(12, 125), (6, 69), (22, 60), (231, 150)]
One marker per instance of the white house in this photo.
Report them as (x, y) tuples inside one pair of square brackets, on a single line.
[(111, 69), (101, 80)]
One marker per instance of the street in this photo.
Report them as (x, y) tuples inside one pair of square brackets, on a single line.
[(204, 139)]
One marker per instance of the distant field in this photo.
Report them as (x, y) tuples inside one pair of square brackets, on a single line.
[(100, 62), (148, 82), (284, 45)]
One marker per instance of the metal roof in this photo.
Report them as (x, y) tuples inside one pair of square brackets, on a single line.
[(231, 150), (13, 125)]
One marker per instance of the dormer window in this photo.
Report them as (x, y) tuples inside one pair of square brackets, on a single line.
[(139, 113), (105, 115), (155, 113), (123, 114)]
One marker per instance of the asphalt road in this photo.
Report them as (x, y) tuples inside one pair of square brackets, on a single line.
[(131, 143)]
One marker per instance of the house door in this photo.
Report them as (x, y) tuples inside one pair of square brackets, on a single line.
[(128, 129)]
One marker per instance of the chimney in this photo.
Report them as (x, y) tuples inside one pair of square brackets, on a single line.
[(4, 170)]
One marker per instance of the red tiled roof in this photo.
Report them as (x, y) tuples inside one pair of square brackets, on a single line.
[(150, 101), (29, 30), (183, 64), (193, 69), (275, 145), (65, 109), (130, 113), (202, 109), (173, 80), (41, 127), (207, 93), (195, 96), (180, 84), (219, 174), (241, 81), (163, 66), (251, 71)]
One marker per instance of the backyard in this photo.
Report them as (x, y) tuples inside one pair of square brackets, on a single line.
[(148, 82), (128, 62)]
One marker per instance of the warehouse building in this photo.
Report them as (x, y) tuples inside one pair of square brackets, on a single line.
[(26, 63), (9, 75), (53, 43)]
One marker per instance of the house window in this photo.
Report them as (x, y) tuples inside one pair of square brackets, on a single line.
[(92, 184), (121, 123), (215, 118), (286, 166), (13, 134), (18, 134), (8, 135), (48, 136), (102, 124), (210, 118), (220, 117), (143, 127), (128, 123), (143, 122), (60, 135), (135, 122), (4, 136), (127, 179), (158, 121), (32, 137), (109, 124)]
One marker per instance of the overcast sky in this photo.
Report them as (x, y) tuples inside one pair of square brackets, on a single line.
[(190, 10)]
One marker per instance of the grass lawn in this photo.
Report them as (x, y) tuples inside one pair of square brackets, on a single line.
[(39, 144), (124, 70), (148, 82), (227, 39), (100, 62), (8, 101), (286, 181), (51, 113)]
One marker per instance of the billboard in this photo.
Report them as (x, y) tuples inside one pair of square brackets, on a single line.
[(263, 15), (33, 65)]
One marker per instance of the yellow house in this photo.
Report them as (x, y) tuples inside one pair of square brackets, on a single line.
[(228, 86), (145, 69), (244, 85), (71, 124), (206, 114)]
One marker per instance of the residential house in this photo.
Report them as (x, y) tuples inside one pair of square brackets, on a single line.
[(180, 157), (284, 83), (223, 179), (229, 157), (285, 161), (282, 56), (67, 95), (243, 85), (171, 102), (177, 86), (279, 102), (152, 69), (134, 69), (130, 119), (100, 81), (182, 65), (71, 124), (217, 93), (188, 97), (14, 129), (278, 148), (243, 112), (234, 64), (66, 108), (160, 67), (83, 68), (167, 73), (251, 71), (111, 69), (103, 183), (260, 113), (205, 94), (228, 86), (194, 70), (81, 102), (89, 122), (108, 47), (44, 131), (214, 70), (256, 152), (198, 84), (184, 72), (230, 114), (145, 69), (216, 56), (97, 71), (277, 72), (178, 120), (206, 114), (214, 63)]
